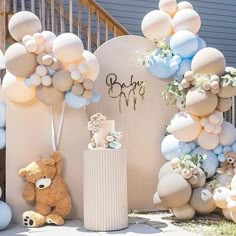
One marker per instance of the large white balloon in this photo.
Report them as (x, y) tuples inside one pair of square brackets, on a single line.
[(227, 135), (49, 38)]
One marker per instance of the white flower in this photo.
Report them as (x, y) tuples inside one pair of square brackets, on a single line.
[(110, 138), (95, 123)]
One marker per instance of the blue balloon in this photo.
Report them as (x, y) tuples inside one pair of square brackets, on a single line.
[(227, 149), (201, 44), (218, 150), (162, 67), (96, 97), (74, 101), (234, 147), (5, 215), (221, 157), (210, 164), (184, 66), (184, 43), (27, 82)]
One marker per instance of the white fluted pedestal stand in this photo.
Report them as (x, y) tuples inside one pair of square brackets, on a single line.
[(105, 190)]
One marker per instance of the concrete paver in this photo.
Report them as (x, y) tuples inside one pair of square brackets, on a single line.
[(142, 224)]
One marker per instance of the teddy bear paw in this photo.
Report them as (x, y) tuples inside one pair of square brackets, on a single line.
[(32, 219), (54, 219)]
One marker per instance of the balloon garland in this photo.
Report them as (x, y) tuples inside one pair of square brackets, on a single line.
[(50, 67), (200, 145)]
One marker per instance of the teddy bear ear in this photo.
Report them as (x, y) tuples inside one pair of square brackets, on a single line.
[(23, 172), (50, 162)]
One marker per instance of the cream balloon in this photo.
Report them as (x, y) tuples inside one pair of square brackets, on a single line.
[(169, 6), (20, 62), (209, 61), (220, 196), (16, 90), (156, 25), (185, 5), (93, 65), (49, 38), (186, 19), (23, 23), (233, 183), (185, 126), (207, 140), (68, 48)]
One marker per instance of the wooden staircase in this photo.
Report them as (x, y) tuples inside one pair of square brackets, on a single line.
[(86, 18)]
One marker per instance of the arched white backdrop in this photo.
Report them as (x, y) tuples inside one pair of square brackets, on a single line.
[(122, 80)]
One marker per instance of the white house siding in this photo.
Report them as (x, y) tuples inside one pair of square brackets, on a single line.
[(218, 20)]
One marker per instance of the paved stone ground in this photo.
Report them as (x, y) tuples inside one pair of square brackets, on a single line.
[(141, 224)]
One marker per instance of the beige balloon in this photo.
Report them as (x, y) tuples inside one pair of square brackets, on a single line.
[(227, 136), (200, 102), (226, 213), (16, 90), (174, 190), (23, 23), (209, 61), (185, 126), (165, 170), (68, 48), (169, 6), (202, 201), (77, 89), (207, 140), (49, 95), (156, 25), (158, 203), (226, 91), (20, 62), (62, 80), (186, 19), (185, 212), (224, 104)]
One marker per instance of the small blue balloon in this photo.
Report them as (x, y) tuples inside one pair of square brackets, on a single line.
[(210, 164), (218, 149), (5, 215), (96, 97), (193, 145), (184, 43), (74, 101), (221, 157), (186, 148), (184, 66), (234, 147), (227, 149), (27, 82)]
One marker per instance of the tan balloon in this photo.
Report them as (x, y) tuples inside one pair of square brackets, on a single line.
[(200, 102), (226, 90), (68, 48), (62, 81), (169, 6), (156, 25), (20, 62), (201, 179), (209, 61), (185, 126), (16, 90), (185, 212), (174, 190), (158, 203), (165, 169), (224, 104), (23, 23), (207, 140), (186, 19), (202, 201), (49, 95)]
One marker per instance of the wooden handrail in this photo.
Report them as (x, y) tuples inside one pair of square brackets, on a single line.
[(56, 17)]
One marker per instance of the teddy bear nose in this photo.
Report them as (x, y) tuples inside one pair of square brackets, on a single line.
[(41, 186)]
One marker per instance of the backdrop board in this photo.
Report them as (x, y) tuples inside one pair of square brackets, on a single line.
[(131, 96), (29, 139)]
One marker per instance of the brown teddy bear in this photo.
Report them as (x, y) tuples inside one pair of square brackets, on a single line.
[(46, 187), (229, 165)]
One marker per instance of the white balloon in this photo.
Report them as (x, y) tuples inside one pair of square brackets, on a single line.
[(2, 139)]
